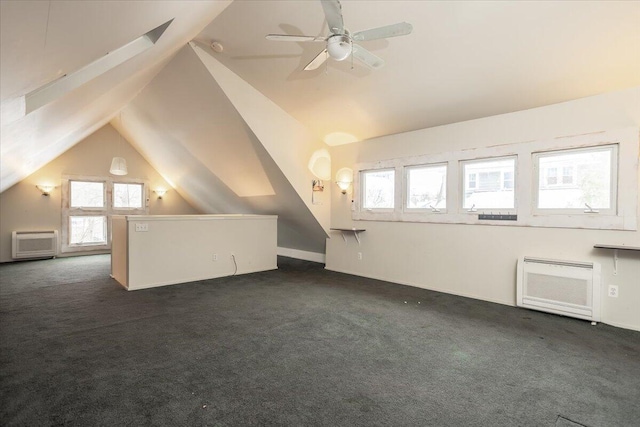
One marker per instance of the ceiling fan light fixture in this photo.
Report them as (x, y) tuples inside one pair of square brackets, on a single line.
[(339, 47)]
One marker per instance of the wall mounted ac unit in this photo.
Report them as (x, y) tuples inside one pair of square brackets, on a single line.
[(563, 287), (34, 244)]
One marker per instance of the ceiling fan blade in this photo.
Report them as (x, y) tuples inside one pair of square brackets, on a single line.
[(367, 57), (333, 13), (400, 29), (289, 38), (317, 61)]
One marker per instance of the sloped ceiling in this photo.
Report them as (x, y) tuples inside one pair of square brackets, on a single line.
[(464, 59), (42, 41), (186, 127)]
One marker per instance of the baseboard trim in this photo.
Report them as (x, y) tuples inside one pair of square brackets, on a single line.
[(415, 285), (621, 325), (303, 255), (460, 294)]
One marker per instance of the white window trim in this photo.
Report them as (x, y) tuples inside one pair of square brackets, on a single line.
[(627, 194), (613, 188), (107, 210), (476, 211), (405, 190), (395, 189)]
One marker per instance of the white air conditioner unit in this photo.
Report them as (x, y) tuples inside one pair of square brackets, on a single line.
[(568, 288), (34, 244)]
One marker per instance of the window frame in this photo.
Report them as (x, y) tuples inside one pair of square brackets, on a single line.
[(363, 186), (613, 181), (463, 182), (88, 245), (405, 189), (107, 210), (626, 217), (125, 210), (89, 208)]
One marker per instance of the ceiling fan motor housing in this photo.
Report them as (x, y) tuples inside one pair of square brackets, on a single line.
[(339, 46)]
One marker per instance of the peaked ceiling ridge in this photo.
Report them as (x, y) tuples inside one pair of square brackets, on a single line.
[(288, 142)]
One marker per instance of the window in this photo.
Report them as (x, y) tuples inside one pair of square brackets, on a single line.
[(426, 187), (489, 183), (587, 182), (87, 230), (83, 229), (378, 190), (127, 196), (86, 194), (89, 202)]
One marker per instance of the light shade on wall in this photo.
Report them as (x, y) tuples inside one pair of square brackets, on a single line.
[(46, 189), (320, 164), (118, 166), (160, 192), (344, 179)]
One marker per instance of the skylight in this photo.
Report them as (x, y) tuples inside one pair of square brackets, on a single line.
[(61, 86)]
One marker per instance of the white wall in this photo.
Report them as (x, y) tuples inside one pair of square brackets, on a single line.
[(479, 261), (178, 249)]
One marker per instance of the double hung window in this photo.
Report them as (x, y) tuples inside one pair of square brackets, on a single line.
[(89, 202)]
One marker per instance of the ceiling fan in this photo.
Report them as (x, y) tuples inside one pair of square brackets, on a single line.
[(340, 43)]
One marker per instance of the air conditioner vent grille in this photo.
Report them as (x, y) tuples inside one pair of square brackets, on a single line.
[(34, 244), (563, 287)]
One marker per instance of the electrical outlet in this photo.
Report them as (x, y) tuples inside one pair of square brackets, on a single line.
[(613, 291), (359, 256), (142, 227), (215, 257)]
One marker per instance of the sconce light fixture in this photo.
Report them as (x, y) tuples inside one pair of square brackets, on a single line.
[(46, 189), (160, 192), (344, 179)]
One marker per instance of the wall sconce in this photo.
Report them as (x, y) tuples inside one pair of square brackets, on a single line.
[(344, 179), (160, 192), (46, 189)]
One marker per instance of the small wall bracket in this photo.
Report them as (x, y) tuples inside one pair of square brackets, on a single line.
[(345, 231)]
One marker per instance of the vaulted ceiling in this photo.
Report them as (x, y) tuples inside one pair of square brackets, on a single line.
[(463, 60)]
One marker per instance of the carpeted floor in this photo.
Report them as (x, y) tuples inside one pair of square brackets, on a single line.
[(296, 346)]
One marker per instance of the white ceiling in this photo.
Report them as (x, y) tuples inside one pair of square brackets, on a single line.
[(464, 59), (41, 41)]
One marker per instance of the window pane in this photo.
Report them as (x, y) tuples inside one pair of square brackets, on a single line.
[(489, 184), (127, 195), (586, 178), (87, 230), (427, 187), (84, 194), (378, 189)]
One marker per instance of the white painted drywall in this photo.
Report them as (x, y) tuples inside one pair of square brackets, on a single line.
[(178, 249), (479, 261)]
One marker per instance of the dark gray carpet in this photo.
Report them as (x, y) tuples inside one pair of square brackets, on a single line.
[(296, 346)]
